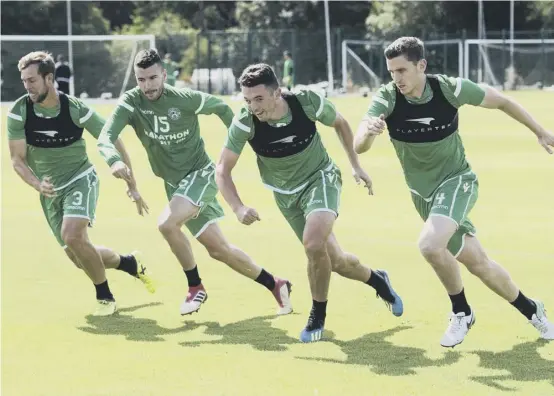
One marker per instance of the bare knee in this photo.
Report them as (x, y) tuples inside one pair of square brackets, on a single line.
[(314, 247), (431, 250), (168, 226), (74, 239)]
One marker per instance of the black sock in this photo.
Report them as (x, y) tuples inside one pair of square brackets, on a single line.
[(266, 279), (103, 291), (319, 309), (525, 305), (193, 277), (459, 303), (128, 264), (378, 283)]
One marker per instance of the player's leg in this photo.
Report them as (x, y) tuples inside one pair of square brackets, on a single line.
[(221, 250), (79, 204), (187, 200), (323, 194), (174, 216), (447, 210), (129, 263), (476, 260), (319, 225), (349, 266)]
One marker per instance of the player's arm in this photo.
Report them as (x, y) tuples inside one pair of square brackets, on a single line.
[(326, 113), (207, 104), (373, 123), (346, 138), (94, 123), (110, 146), (225, 165), (494, 99), (18, 153), (115, 154), (236, 139)]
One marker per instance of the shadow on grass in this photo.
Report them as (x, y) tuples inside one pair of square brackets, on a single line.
[(256, 332), (384, 357), (523, 363), (134, 329)]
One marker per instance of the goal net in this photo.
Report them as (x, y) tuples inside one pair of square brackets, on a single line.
[(364, 65), (510, 64), (102, 66)]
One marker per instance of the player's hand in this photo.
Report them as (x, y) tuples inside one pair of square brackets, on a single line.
[(135, 196), (247, 215), (46, 188), (375, 125), (546, 140), (121, 171), (361, 175)]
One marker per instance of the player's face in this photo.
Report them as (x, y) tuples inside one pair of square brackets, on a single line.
[(37, 86), (151, 80), (261, 100), (406, 75)]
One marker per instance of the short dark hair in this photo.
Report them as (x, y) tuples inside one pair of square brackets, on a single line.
[(43, 59), (411, 47), (147, 58), (257, 74), (288, 53)]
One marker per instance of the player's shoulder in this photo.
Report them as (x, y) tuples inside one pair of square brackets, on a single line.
[(308, 97), (181, 93), (243, 119), (21, 101), (447, 82), (18, 108), (385, 95), (130, 99), (75, 102), (386, 91)]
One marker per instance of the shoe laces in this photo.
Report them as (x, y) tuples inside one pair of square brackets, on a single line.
[(313, 321), (104, 302), (456, 322)]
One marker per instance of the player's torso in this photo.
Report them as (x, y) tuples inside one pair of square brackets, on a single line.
[(170, 134), (426, 139), (55, 145), (164, 122), (288, 154)]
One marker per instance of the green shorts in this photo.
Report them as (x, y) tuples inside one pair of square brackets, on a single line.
[(79, 199), (453, 199), (200, 189), (321, 194)]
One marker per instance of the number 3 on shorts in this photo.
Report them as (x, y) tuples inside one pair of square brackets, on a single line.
[(77, 198)]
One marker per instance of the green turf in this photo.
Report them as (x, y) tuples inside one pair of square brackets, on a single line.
[(234, 345)]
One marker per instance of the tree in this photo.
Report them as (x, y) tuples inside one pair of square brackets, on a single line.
[(543, 11), (92, 62)]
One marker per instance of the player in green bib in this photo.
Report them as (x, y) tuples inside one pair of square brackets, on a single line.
[(288, 70), (165, 120), (48, 152), (171, 69), (420, 112), (293, 163)]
